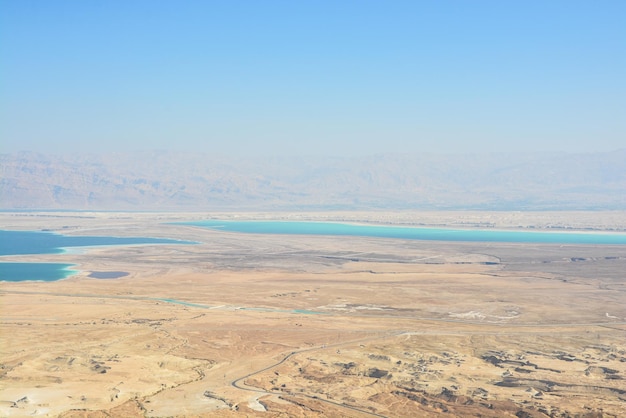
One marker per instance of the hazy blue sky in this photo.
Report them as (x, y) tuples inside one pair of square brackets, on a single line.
[(313, 77)]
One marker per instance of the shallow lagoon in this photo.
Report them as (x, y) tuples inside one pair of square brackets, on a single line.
[(45, 272), (35, 242), (413, 233)]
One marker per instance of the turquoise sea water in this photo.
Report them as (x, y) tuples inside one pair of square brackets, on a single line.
[(414, 233), (45, 272), (33, 242)]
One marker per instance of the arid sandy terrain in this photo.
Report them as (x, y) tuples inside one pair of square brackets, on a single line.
[(311, 326)]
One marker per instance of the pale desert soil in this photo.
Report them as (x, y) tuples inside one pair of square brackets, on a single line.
[(269, 326)]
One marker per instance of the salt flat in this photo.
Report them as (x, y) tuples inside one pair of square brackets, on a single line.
[(260, 325)]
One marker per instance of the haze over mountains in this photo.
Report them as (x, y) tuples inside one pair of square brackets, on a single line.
[(160, 180)]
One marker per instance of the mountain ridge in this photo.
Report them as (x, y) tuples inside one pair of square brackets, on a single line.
[(162, 180)]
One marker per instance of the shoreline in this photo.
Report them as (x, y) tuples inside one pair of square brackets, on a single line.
[(590, 221), (492, 235)]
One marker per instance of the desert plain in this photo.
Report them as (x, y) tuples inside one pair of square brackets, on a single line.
[(310, 326)]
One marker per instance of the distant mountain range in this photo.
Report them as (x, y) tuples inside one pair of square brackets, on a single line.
[(160, 180)]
